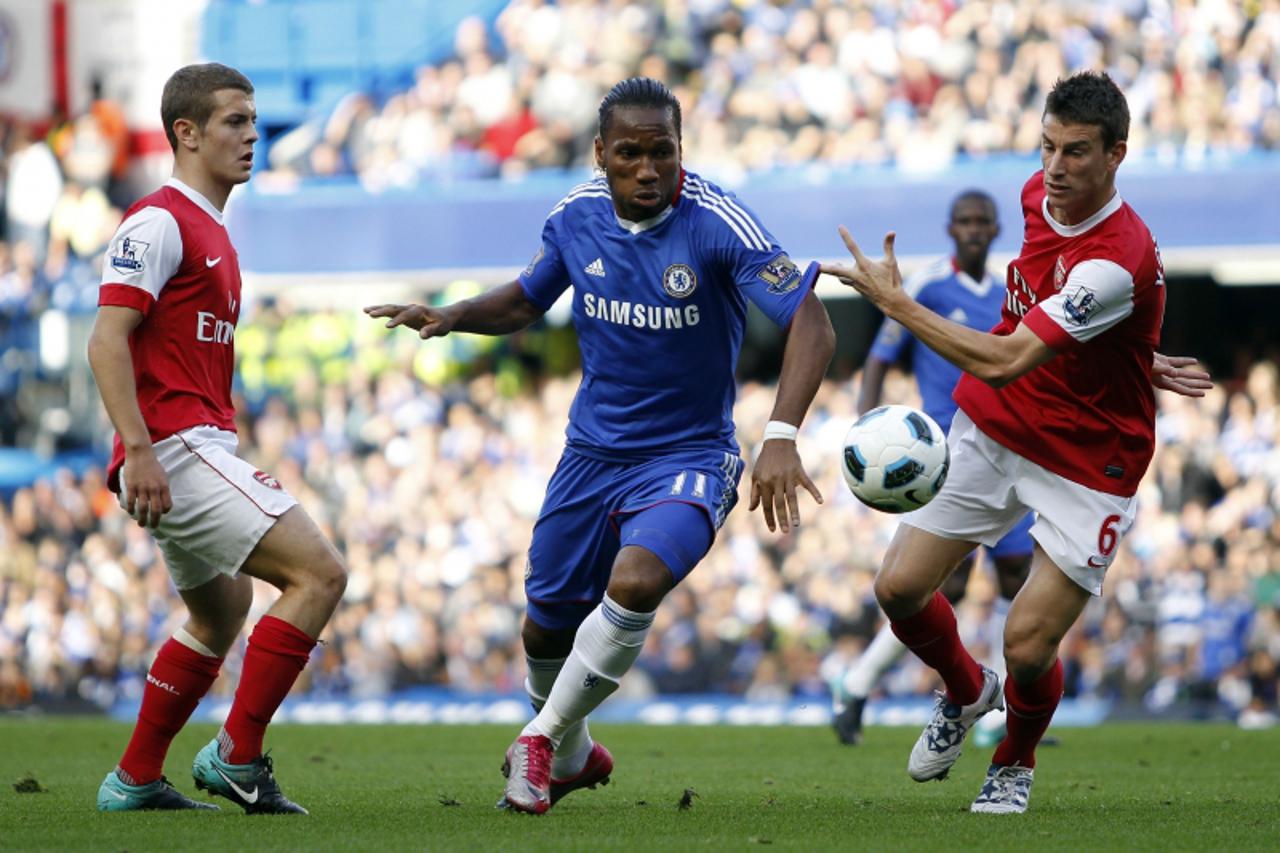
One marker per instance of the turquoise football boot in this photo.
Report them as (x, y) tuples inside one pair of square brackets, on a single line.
[(116, 796), (251, 786)]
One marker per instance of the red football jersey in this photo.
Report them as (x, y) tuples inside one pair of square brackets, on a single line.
[(1094, 292), (172, 260)]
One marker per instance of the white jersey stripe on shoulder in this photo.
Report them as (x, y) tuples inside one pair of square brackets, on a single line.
[(587, 187), (596, 183), (734, 222), (572, 198), (732, 205), (747, 220), (739, 227), (728, 220), (701, 190), (575, 197), (583, 189)]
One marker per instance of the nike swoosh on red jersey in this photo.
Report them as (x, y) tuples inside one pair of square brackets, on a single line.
[(212, 263)]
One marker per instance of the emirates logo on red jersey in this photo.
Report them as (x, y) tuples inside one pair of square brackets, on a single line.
[(267, 480), (1059, 274)]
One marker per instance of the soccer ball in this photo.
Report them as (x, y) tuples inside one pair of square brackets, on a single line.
[(895, 458)]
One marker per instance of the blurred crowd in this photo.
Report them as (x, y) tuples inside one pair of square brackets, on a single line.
[(426, 463), (765, 84), (430, 489), (62, 194)]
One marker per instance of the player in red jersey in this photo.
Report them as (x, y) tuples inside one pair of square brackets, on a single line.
[(1057, 415), (162, 351)]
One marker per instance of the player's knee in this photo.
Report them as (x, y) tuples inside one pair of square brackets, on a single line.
[(898, 596), (334, 579), (326, 578), (1028, 654), (639, 587)]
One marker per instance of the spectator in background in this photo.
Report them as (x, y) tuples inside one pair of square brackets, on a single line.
[(112, 126), (769, 84), (32, 190)]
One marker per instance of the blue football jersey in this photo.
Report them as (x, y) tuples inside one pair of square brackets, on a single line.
[(953, 294), (659, 307)]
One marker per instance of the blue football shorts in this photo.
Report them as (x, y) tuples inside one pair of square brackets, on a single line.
[(671, 506)]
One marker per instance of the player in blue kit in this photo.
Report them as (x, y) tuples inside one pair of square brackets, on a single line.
[(959, 288), (662, 264)]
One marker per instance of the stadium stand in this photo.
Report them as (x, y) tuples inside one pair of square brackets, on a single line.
[(426, 463)]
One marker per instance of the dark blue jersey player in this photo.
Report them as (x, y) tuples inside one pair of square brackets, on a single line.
[(662, 264), (959, 288)]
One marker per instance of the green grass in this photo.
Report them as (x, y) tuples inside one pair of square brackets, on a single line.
[(1120, 787)]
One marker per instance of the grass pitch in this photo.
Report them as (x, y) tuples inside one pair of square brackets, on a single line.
[(1119, 787)]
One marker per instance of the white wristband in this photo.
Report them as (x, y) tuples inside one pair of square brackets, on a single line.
[(780, 429)]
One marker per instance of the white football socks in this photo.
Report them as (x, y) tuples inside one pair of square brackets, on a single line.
[(994, 721), (607, 643), (885, 650), (995, 634), (575, 746)]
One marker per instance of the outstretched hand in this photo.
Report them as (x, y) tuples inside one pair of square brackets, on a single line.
[(1174, 373), (879, 281), (428, 322), (774, 478)]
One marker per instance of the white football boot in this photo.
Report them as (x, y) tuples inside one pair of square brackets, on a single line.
[(528, 771), (940, 743), (1005, 791)]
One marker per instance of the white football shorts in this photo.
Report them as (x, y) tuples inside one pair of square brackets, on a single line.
[(222, 505), (990, 488)]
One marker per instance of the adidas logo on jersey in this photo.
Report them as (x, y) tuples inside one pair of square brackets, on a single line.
[(595, 268)]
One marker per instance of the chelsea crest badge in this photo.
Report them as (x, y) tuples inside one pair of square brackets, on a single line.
[(679, 280)]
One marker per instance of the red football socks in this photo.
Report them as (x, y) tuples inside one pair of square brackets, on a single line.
[(177, 680), (1030, 708), (275, 657), (932, 635)]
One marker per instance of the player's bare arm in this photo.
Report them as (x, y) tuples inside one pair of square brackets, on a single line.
[(500, 311), (778, 470), (146, 486), (994, 359), (1178, 373)]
